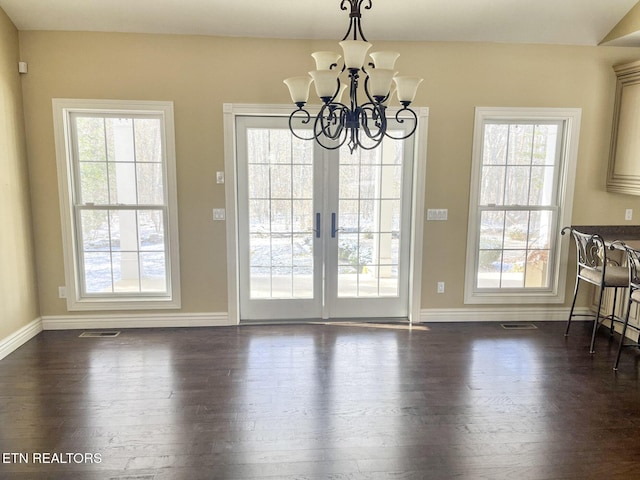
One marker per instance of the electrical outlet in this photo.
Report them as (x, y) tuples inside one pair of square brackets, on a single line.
[(219, 177), (218, 214), (440, 287), (62, 292), (628, 214)]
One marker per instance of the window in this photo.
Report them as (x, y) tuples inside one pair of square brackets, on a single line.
[(521, 190), (116, 169)]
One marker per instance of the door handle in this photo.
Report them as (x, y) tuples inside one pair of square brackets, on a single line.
[(317, 230), (334, 228)]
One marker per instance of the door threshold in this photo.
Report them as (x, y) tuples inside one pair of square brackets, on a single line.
[(329, 321), (389, 323)]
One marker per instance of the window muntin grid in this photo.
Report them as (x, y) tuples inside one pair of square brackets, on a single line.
[(369, 206), (120, 204), (518, 204), (280, 215)]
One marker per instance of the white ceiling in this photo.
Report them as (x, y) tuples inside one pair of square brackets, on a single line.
[(577, 22)]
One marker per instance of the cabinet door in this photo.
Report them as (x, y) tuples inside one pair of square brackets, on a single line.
[(624, 169)]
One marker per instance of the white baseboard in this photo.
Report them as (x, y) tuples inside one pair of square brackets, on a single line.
[(145, 320), (19, 338), (511, 314), (158, 320)]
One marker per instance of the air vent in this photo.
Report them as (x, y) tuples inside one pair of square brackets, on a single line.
[(134, 477), (100, 334), (518, 326)]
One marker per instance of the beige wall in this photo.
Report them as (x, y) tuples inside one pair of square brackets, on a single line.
[(200, 73), (18, 295)]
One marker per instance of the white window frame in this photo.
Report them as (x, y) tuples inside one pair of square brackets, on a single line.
[(565, 180), (63, 109)]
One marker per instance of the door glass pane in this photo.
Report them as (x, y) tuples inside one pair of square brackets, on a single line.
[(280, 216), (370, 193)]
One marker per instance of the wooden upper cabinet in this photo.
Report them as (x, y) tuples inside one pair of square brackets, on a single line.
[(624, 160)]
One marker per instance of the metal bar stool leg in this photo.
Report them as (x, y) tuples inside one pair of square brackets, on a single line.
[(573, 305), (596, 322), (624, 331), (613, 310)]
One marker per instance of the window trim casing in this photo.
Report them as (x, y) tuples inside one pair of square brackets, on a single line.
[(62, 110), (571, 117)]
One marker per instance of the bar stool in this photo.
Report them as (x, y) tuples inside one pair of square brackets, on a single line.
[(594, 267), (633, 259)]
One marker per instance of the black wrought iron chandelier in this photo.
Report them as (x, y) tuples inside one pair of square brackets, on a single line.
[(360, 125)]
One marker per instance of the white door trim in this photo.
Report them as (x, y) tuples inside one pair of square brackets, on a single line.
[(230, 111)]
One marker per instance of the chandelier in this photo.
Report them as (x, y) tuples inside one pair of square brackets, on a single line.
[(360, 125)]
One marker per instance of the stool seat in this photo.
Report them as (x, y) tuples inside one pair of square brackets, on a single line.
[(614, 276)]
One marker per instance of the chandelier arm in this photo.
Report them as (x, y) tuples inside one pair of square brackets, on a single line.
[(399, 119), (331, 146), (378, 118), (321, 134), (330, 115), (329, 122), (355, 24), (371, 147), (306, 119), (356, 142)]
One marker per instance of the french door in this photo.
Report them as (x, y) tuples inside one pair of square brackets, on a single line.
[(322, 233)]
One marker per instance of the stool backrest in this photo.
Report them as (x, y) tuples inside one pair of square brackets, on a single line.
[(590, 247), (633, 257)]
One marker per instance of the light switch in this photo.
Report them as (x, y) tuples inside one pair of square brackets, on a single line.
[(437, 214), (219, 177)]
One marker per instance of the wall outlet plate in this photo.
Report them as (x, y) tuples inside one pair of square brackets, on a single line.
[(218, 214)]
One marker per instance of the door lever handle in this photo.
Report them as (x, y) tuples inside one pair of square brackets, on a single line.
[(317, 230), (334, 228)]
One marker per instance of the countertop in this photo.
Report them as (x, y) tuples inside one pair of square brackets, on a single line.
[(612, 232), (628, 234)]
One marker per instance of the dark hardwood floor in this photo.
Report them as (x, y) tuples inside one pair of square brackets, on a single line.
[(468, 401)]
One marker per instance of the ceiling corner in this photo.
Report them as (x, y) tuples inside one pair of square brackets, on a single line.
[(626, 33)]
